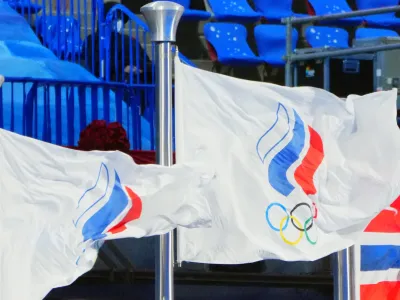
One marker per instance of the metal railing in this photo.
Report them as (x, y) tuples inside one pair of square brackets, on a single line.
[(128, 54), (57, 112), (117, 56), (293, 57), (126, 60), (115, 47)]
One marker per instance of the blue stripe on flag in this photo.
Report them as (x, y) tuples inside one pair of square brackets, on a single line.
[(285, 158), (380, 258), (94, 227)]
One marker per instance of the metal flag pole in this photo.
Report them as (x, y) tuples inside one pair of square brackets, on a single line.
[(352, 286), (345, 275), (339, 277), (163, 17)]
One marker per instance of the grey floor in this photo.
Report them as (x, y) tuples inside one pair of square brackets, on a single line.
[(146, 292), (139, 255)]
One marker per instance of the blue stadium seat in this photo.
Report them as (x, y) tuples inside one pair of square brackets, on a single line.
[(233, 11), (382, 20), (327, 37), (327, 7), (191, 14), (25, 6), (229, 40), (60, 34), (369, 33), (275, 10), (271, 43)]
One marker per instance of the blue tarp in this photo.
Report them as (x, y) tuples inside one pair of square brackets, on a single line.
[(22, 55), (14, 26)]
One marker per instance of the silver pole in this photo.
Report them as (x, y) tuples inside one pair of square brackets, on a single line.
[(352, 287), (340, 275), (342, 52), (163, 17), (289, 46), (326, 74), (345, 275)]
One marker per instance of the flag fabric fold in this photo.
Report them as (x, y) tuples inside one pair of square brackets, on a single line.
[(57, 206), (299, 173)]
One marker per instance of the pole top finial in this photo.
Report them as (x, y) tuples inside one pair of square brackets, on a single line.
[(162, 17)]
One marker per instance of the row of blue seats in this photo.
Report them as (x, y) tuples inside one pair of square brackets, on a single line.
[(273, 11), (62, 34), (229, 41), (387, 20)]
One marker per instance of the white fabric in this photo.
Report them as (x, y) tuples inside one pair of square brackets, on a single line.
[(377, 238), (374, 277), (40, 187), (219, 121)]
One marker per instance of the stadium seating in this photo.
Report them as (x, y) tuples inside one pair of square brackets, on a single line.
[(275, 10), (229, 41), (327, 37), (271, 43), (192, 14), (233, 11), (382, 20), (60, 34), (368, 33), (326, 7)]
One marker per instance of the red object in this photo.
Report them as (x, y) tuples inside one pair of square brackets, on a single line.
[(304, 173), (212, 53), (99, 135), (112, 137), (140, 157), (145, 157), (134, 212), (387, 221), (310, 9), (389, 290)]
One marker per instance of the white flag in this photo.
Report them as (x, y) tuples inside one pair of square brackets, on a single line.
[(57, 206), (299, 172)]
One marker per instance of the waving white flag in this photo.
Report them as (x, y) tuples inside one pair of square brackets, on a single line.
[(299, 172), (58, 205)]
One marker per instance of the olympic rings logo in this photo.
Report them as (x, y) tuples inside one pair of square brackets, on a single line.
[(303, 229)]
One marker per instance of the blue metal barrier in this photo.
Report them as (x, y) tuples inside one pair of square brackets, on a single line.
[(56, 112), (128, 52), (115, 47), (108, 46), (125, 58)]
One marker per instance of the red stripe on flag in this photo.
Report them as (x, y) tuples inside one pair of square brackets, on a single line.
[(387, 221), (387, 290), (133, 214), (304, 174)]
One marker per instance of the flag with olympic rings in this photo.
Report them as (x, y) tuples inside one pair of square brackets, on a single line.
[(299, 172), (282, 159)]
